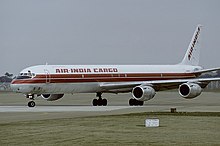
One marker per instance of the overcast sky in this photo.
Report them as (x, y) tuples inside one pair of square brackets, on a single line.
[(34, 32)]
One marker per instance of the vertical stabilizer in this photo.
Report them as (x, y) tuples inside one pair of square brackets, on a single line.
[(192, 54)]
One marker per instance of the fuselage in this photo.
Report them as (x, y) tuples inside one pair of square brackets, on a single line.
[(57, 79)]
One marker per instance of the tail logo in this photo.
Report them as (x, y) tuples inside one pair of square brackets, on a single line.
[(193, 44)]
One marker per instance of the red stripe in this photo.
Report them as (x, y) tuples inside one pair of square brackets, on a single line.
[(116, 75), (77, 78)]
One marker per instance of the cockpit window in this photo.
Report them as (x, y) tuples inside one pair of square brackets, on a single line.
[(26, 75), (23, 77)]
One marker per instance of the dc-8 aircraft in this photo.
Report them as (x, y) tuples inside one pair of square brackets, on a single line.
[(143, 81)]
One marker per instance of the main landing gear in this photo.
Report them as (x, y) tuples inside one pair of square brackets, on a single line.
[(103, 102), (99, 101), (134, 102), (31, 97)]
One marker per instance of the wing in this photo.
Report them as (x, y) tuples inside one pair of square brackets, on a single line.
[(158, 85), (206, 70)]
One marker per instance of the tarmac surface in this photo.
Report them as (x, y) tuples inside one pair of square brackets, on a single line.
[(13, 107)]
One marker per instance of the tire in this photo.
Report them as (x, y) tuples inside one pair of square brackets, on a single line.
[(100, 103), (104, 102), (134, 102), (31, 104), (141, 103), (95, 102), (131, 102)]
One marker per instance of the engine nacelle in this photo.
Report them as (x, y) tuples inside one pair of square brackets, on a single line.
[(143, 93), (189, 90), (52, 97)]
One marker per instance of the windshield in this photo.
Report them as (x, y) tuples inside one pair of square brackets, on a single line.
[(25, 75)]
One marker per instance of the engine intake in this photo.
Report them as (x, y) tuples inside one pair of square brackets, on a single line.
[(143, 93), (52, 97), (189, 90)]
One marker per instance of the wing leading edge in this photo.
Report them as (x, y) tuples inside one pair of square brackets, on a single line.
[(207, 70)]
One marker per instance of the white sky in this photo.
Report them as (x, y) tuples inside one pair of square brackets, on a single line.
[(34, 32)]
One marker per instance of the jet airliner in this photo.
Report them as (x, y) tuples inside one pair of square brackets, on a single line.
[(143, 81)]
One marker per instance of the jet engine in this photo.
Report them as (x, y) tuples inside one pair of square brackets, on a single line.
[(189, 90), (52, 97), (143, 93)]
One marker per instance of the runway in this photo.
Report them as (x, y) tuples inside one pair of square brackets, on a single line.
[(13, 106), (129, 109), (60, 108)]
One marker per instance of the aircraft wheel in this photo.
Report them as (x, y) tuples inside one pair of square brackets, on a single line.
[(104, 102), (100, 102), (31, 104), (141, 103), (95, 102), (132, 102)]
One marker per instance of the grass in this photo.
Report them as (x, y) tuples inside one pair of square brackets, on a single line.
[(178, 128)]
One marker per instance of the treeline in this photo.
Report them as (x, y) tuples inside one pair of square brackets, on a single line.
[(7, 78), (211, 74)]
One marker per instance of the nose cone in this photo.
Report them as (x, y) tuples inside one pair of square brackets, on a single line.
[(20, 88)]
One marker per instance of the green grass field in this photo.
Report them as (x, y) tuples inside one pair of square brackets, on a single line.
[(175, 129)]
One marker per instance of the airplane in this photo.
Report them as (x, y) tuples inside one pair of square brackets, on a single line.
[(143, 81)]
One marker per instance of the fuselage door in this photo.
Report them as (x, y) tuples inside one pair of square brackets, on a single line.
[(47, 74)]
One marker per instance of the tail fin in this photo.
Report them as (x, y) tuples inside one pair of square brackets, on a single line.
[(192, 54)]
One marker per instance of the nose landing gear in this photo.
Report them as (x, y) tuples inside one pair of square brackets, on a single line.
[(31, 97)]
